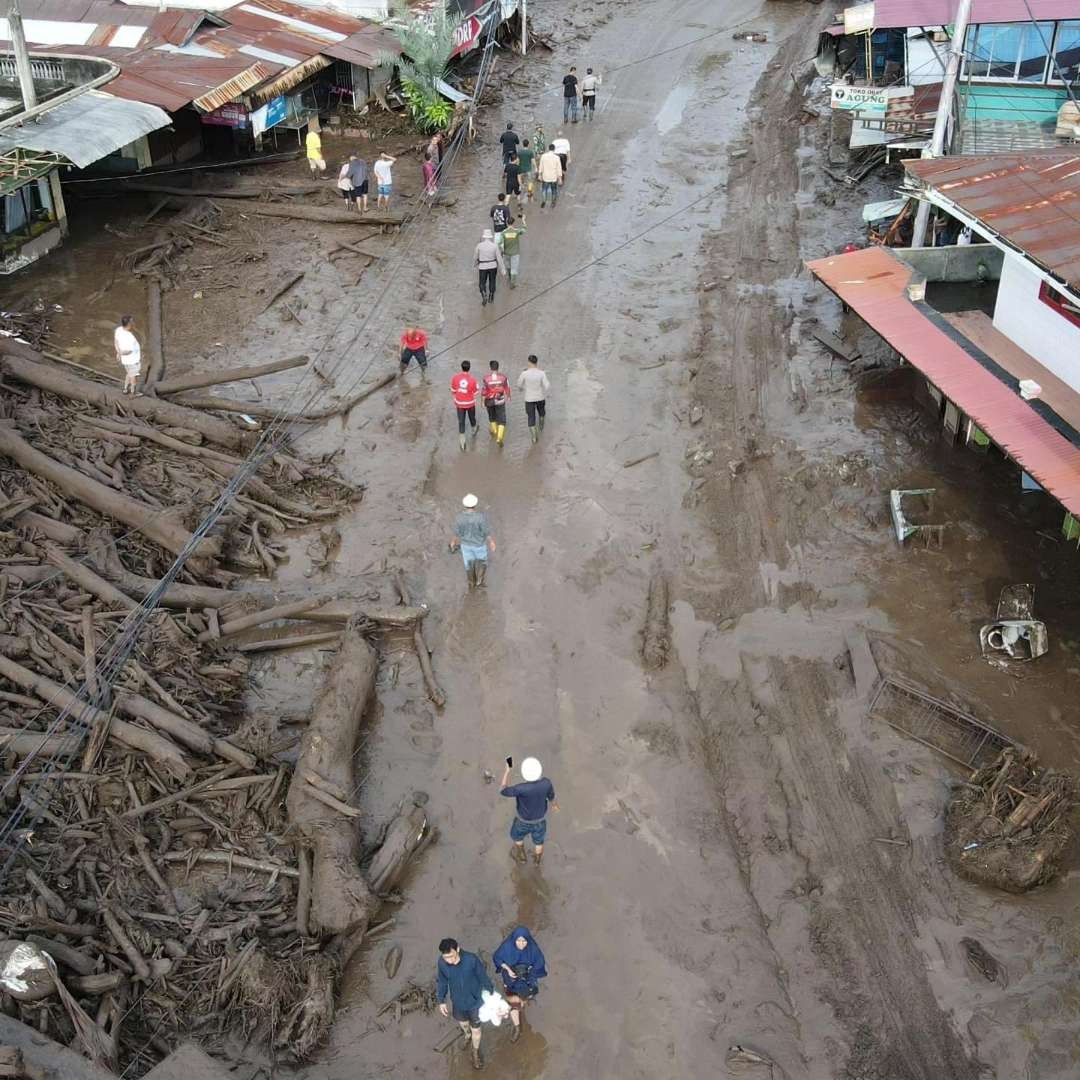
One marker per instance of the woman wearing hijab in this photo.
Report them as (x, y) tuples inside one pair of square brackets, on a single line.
[(520, 962)]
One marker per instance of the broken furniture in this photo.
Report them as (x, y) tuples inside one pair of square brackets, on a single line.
[(1015, 632), (901, 502)]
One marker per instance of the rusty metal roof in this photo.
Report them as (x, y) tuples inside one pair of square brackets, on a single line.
[(873, 282), (191, 56), (894, 13), (1030, 200)]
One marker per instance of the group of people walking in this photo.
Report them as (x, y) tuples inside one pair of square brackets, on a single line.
[(528, 163), (495, 395), (519, 961)]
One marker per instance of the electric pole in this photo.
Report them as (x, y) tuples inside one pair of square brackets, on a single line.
[(22, 57), (944, 111)]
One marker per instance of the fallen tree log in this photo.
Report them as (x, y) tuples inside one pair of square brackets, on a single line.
[(160, 748), (163, 528), (342, 904), (24, 364), (266, 412), (326, 215), (155, 337), (237, 191), (195, 382)]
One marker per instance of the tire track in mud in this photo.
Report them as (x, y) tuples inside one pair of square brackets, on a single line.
[(802, 807)]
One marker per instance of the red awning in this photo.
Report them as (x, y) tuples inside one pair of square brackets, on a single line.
[(874, 284)]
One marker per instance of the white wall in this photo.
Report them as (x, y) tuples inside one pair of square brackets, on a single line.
[(922, 66), (1036, 327)]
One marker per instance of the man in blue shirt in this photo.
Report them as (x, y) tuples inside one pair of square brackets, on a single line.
[(462, 976), (533, 797)]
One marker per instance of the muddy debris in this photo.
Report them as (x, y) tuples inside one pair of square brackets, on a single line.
[(656, 638), (1009, 826)]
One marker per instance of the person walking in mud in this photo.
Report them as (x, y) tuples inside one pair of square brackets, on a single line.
[(589, 86), (358, 175), (461, 977), (533, 797), (570, 99), (413, 347), (472, 536), (128, 353), (508, 140), (526, 169), (533, 381), (488, 261), (520, 963), (561, 146), (313, 150), (511, 249), (463, 388), (496, 396), (550, 173), (501, 217), (384, 180)]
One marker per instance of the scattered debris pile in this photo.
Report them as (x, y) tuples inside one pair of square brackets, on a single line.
[(1009, 826), (156, 876)]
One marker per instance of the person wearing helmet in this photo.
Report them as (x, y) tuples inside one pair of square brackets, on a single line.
[(472, 534), (532, 800)]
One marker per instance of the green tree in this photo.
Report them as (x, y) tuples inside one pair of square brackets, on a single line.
[(426, 40)]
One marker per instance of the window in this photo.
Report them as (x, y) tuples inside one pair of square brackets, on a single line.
[(1066, 53), (1062, 304), (1011, 52)]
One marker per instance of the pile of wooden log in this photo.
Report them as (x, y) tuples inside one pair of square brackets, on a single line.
[(162, 851), (1010, 826)]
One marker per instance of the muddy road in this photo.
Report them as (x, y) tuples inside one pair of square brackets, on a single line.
[(720, 871), (741, 856)]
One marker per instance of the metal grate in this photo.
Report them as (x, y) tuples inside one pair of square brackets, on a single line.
[(950, 731)]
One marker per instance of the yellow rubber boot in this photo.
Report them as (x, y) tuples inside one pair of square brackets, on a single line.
[(494, 429), (500, 434)]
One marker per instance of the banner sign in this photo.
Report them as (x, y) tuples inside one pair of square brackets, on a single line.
[(863, 99)]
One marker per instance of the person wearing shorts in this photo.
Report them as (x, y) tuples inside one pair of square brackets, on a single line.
[(384, 179), (533, 797), (462, 977), (512, 176), (413, 347), (358, 174), (472, 536), (128, 353)]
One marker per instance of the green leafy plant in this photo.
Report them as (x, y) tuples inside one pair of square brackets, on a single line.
[(427, 42)]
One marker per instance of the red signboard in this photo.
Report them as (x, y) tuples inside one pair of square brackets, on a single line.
[(230, 114), (467, 35)]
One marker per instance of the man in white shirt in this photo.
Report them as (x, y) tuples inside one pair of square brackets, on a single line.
[(550, 172), (533, 381), (385, 180), (588, 94), (128, 353)]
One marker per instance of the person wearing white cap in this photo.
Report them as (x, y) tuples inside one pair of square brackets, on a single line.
[(472, 534), (532, 800)]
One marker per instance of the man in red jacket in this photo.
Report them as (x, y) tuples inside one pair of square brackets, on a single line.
[(496, 395), (463, 388), (414, 344)]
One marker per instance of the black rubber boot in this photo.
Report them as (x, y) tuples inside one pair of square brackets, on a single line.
[(481, 572)]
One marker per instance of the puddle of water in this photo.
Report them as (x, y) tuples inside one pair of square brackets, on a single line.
[(671, 112)]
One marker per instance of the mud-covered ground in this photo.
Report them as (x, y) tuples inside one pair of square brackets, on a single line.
[(717, 874)]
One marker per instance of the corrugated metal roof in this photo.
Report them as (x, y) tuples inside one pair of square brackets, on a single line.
[(247, 80), (874, 283), (1031, 200), (186, 56), (86, 128), (894, 13)]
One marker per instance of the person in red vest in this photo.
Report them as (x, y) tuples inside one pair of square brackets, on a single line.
[(414, 345), (463, 388), (496, 395)]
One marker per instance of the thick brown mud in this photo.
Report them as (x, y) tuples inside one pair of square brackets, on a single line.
[(742, 856)]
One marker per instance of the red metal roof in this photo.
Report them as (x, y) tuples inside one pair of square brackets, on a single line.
[(874, 283), (1031, 200), (891, 13)]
